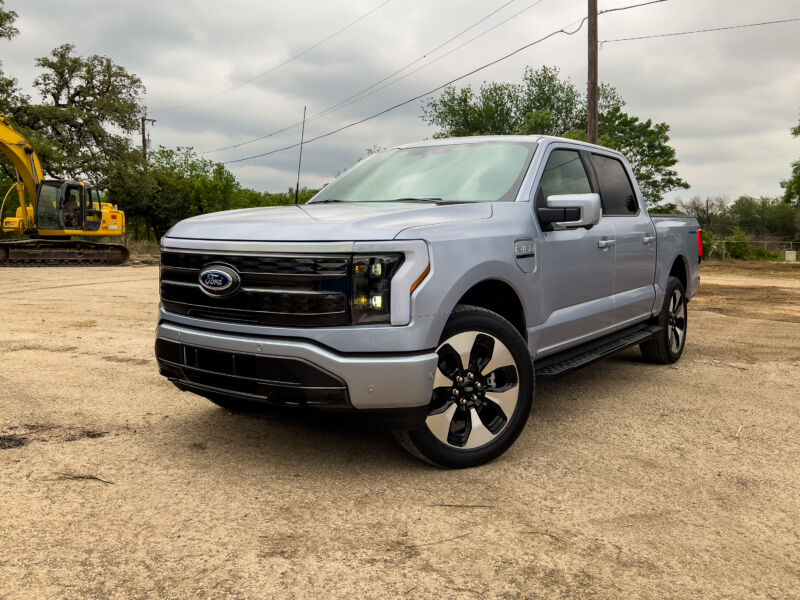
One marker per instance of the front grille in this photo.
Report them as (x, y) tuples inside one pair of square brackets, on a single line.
[(295, 291), (267, 378)]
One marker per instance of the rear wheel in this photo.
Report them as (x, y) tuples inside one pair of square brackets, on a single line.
[(667, 346), (482, 392)]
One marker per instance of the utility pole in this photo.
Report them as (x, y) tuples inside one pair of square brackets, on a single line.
[(145, 121), (591, 120), (300, 160)]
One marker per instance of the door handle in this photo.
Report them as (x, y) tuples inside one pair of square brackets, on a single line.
[(606, 243), (648, 239)]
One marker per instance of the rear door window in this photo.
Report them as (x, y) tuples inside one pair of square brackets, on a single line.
[(616, 191)]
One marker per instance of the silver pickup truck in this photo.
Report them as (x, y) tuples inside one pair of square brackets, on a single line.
[(431, 283)]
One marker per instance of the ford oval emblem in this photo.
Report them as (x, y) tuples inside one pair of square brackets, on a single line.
[(219, 280)]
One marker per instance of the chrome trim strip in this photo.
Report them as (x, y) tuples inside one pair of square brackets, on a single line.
[(207, 308), (308, 293), (231, 246)]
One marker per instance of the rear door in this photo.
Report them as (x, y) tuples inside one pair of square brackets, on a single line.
[(635, 236), (577, 270)]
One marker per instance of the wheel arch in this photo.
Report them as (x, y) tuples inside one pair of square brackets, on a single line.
[(500, 297), (680, 269)]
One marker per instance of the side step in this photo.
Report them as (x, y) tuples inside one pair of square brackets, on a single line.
[(573, 359)]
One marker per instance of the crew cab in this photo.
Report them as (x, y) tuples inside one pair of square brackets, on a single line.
[(432, 282)]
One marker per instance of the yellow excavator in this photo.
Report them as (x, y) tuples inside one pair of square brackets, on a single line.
[(52, 211)]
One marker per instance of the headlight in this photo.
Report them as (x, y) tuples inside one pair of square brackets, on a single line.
[(371, 297)]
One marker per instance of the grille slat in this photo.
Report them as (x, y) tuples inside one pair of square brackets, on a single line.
[(297, 291)]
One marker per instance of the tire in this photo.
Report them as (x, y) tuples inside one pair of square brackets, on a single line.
[(667, 346), (477, 410)]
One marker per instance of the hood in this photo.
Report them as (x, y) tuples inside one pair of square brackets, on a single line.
[(352, 221)]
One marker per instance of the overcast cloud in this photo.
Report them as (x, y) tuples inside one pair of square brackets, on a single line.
[(730, 97)]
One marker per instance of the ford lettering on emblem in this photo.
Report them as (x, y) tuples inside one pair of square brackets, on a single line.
[(219, 280)]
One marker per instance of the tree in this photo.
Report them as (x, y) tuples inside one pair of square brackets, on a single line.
[(85, 102), (7, 18), (546, 104), (791, 186), (646, 145)]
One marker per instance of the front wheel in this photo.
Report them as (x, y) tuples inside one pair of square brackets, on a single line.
[(482, 392), (667, 346)]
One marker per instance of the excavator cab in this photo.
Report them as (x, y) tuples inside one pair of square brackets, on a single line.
[(74, 208)]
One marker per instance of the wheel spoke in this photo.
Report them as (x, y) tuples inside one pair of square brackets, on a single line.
[(678, 338), (462, 344), (678, 308), (500, 358), (507, 401), (482, 352), (478, 435), (439, 422), (441, 380)]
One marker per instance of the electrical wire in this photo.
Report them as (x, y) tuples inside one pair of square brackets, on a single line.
[(410, 100), (662, 35), (436, 89), (363, 93), (274, 68)]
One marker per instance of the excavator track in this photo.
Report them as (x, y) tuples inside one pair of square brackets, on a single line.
[(48, 253)]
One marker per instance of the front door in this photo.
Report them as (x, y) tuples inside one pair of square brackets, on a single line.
[(577, 265)]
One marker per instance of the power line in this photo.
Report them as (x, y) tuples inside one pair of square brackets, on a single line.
[(278, 66), (362, 93), (344, 103), (662, 35), (410, 100), (436, 89)]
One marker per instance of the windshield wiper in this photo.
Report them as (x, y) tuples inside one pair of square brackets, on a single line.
[(327, 200), (412, 200)]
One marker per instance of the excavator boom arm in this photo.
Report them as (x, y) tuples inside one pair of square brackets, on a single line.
[(23, 157)]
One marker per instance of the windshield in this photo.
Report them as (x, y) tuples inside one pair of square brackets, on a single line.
[(47, 205), (467, 172)]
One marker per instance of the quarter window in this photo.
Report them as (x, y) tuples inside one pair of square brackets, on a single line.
[(616, 191)]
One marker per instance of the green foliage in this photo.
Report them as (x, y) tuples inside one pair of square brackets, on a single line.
[(177, 184), (791, 186), (7, 18), (646, 145), (759, 218), (87, 104), (738, 246), (666, 208), (546, 104)]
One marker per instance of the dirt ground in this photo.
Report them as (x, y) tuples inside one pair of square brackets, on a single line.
[(630, 480)]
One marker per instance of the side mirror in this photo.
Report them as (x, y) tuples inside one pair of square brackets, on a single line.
[(572, 210)]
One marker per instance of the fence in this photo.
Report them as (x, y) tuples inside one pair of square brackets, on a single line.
[(720, 248)]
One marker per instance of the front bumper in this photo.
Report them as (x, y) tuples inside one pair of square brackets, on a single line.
[(271, 369)]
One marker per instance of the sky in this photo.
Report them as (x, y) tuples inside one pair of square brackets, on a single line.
[(729, 97)]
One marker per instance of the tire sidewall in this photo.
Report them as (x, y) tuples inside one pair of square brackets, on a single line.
[(673, 284), (483, 321)]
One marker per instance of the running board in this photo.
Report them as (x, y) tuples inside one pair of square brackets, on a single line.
[(576, 358)]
